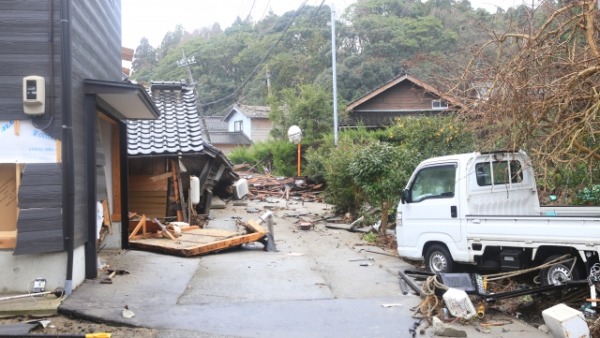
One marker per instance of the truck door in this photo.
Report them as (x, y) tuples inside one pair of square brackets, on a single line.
[(431, 209)]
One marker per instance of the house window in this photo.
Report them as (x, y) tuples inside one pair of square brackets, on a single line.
[(439, 104), (237, 126)]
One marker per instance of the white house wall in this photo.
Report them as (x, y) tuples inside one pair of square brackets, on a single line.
[(24, 269), (246, 123)]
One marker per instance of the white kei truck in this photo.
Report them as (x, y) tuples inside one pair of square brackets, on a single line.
[(483, 209)]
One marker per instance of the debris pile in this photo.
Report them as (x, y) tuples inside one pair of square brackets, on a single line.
[(263, 186), (472, 298)]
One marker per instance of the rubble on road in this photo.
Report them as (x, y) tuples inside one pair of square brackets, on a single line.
[(263, 186), (473, 299)]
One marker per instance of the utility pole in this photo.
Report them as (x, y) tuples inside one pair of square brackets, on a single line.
[(333, 62), (186, 62), (269, 80)]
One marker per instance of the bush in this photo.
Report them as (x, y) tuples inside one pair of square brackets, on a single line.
[(328, 163), (273, 157), (589, 195)]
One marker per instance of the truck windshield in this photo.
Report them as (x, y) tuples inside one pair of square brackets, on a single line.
[(433, 182)]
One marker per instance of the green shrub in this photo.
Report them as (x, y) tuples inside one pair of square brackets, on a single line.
[(370, 237), (274, 157), (589, 195), (328, 163)]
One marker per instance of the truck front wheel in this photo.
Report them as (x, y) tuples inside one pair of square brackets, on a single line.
[(438, 259)]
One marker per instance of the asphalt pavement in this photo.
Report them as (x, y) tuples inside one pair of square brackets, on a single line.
[(321, 282)]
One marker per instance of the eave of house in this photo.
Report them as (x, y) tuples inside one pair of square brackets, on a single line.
[(124, 100)]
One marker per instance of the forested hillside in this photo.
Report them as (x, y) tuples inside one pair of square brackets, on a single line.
[(376, 40)]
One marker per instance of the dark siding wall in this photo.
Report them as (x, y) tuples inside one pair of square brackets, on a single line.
[(96, 54), (404, 96), (30, 45), (27, 47), (40, 222)]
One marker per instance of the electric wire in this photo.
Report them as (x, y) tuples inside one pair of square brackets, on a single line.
[(260, 63), (252, 74)]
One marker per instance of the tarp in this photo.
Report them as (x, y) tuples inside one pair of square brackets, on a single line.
[(23, 143)]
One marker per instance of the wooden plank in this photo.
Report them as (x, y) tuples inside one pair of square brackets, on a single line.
[(194, 242), (8, 197), (126, 54), (149, 183), (161, 177), (176, 187), (8, 239), (115, 143), (178, 249), (252, 224), (139, 226)]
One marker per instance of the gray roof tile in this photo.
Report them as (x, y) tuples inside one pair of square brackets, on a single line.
[(253, 112), (230, 137), (216, 124), (177, 130)]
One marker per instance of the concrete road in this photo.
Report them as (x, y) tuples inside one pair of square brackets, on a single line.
[(320, 283)]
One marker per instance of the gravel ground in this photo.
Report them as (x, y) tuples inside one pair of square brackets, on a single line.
[(71, 326)]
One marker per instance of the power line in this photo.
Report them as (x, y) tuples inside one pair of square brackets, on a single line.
[(261, 62)]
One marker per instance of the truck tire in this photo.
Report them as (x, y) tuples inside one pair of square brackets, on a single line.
[(558, 274), (438, 259)]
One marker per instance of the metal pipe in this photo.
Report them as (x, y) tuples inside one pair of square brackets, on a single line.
[(57, 292), (67, 143), (334, 75), (410, 282)]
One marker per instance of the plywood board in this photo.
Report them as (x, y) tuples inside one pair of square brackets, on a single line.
[(195, 241), (8, 197), (8, 239)]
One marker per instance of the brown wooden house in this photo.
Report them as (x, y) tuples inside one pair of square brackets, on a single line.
[(402, 96)]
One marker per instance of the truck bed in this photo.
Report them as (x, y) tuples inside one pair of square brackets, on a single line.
[(571, 211), (584, 231)]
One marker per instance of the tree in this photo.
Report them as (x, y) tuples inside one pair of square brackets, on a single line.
[(377, 170), (144, 61), (308, 106), (170, 40), (538, 85)]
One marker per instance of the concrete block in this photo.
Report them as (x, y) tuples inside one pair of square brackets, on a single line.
[(565, 322), (458, 303)]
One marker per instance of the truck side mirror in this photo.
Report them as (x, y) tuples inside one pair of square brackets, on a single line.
[(405, 198)]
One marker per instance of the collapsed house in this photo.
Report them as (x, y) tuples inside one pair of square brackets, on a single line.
[(173, 175)]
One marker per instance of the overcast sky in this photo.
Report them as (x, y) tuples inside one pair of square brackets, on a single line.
[(154, 18)]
